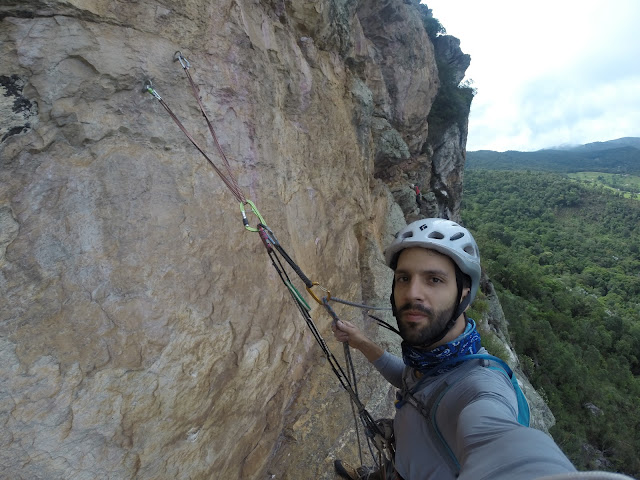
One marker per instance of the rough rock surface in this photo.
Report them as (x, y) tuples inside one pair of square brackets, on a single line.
[(143, 332), (447, 146), (447, 48)]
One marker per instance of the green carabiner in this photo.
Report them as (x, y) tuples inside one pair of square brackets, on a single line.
[(149, 88), (255, 212)]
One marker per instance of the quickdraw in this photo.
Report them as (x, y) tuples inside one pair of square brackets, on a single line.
[(275, 251)]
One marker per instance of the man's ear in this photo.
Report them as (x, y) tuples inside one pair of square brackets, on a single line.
[(465, 292)]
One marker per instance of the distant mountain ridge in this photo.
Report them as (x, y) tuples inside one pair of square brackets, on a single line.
[(596, 146), (615, 156)]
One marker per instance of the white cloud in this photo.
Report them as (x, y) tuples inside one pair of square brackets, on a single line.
[(548, 72)]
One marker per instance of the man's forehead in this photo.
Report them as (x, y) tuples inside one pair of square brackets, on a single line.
[(416, 252)]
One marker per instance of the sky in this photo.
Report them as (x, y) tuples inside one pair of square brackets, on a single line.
[(548, 73)]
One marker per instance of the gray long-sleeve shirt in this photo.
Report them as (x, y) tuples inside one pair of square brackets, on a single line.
[(473, 408)]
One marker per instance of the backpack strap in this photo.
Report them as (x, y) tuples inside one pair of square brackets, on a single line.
[(524, 413), (428, 411)]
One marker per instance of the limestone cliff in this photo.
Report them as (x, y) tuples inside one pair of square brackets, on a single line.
[(143, 332)]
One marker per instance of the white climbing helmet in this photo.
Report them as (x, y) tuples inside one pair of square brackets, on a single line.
[(443, 236)]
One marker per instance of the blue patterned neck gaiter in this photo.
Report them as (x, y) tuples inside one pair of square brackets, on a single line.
[(427, 361)]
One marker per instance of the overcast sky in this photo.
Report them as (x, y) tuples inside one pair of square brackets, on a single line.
[(548, 73)]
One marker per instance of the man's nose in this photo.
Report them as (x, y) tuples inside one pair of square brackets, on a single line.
[(414, 290)]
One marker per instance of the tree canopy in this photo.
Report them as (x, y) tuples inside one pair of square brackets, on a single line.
[(564, 259)]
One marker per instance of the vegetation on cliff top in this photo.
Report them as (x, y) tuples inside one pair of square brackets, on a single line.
[(431, 24), (564, 259), (452, 104)]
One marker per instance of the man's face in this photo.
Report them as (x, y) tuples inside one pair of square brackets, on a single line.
[(425, 294)]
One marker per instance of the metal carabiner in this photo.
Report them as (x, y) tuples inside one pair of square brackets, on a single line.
[(270, 235), (265, 237), (315, 297), (148, 87), (255, 211), (181, 58)]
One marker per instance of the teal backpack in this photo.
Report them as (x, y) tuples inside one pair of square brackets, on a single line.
[(524, 414)]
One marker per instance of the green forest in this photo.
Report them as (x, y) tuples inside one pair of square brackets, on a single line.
[(564, 258)]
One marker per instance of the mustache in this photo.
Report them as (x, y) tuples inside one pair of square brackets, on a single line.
[(416, 307)]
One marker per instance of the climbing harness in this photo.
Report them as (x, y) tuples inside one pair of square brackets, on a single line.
[(373, 430)]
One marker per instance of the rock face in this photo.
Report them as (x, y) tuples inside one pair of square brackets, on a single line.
[(447, 49), (143, 331)]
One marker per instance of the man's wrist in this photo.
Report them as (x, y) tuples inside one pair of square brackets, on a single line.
[(372, 351)]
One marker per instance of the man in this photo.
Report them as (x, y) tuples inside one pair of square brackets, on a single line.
[(416, 189), (457, 416)]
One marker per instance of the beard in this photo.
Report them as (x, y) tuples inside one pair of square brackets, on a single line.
[(423, 334)]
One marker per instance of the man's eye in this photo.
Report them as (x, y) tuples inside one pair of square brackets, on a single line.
[(402, 279), (436, 280)]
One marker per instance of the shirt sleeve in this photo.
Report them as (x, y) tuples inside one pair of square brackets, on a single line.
[(478, 419), (391, 368)]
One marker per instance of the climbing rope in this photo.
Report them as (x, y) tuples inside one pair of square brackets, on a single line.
[(358, 305), (231, 184), (196, 93), (380, 322), (277, 255)]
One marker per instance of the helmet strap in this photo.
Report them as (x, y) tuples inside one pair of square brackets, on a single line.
[(392, 299)]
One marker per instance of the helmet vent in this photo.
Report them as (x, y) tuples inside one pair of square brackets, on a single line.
[(470, 250), (436, 235), (407, 234), (457, 236)]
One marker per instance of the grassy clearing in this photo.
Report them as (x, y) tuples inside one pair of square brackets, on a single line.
[(628, 185)]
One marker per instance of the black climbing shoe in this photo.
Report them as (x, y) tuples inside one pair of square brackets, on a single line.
[(351, 473), (345, 470)]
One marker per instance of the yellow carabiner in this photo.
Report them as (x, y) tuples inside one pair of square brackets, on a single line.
[(255, 212), (315, 297)]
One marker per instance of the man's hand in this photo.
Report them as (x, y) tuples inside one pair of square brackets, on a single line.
[(348, 332)]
